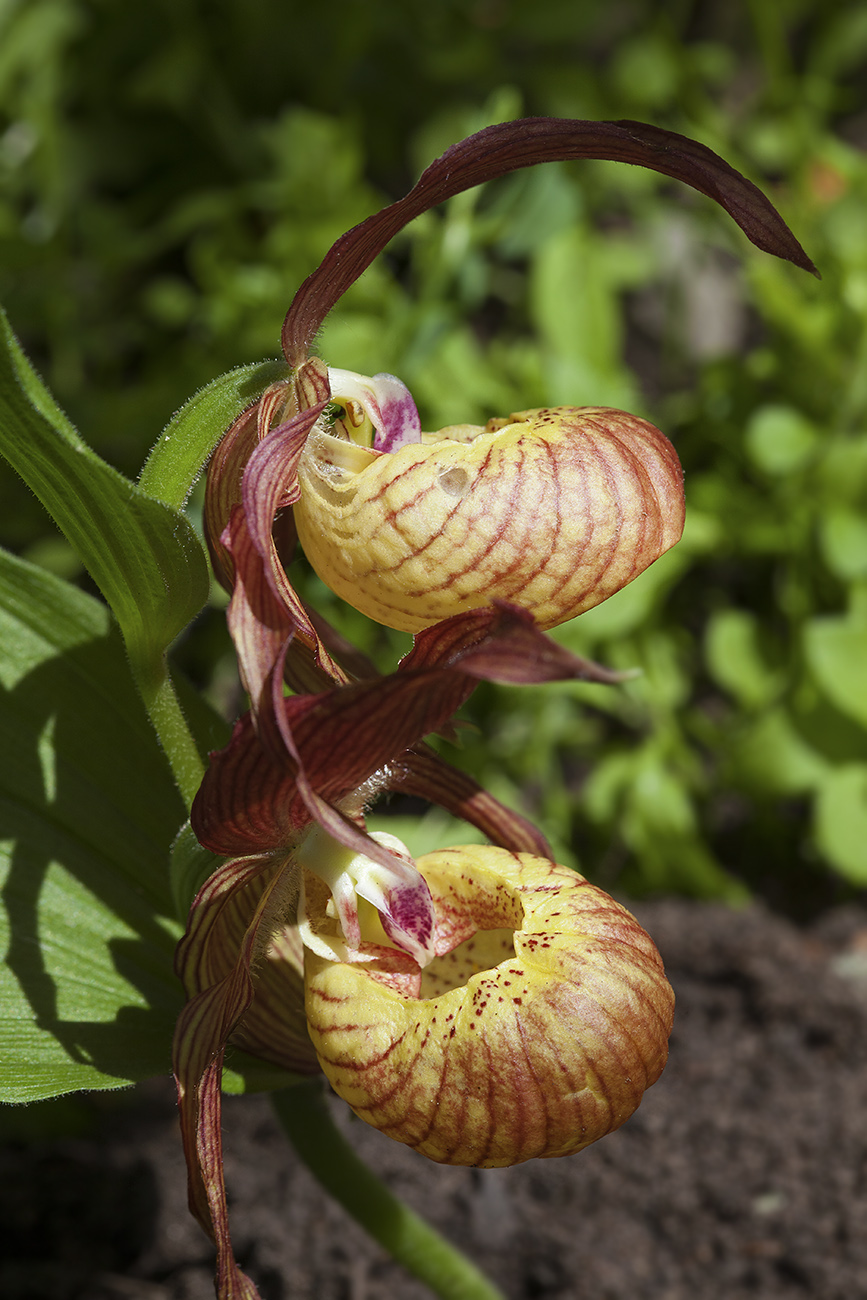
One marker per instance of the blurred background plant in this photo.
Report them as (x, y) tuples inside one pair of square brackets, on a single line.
[(170, 175)]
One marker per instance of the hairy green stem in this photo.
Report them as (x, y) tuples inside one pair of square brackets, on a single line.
[(303, 1112), (172, 730)]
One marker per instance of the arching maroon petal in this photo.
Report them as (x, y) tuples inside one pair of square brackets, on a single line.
[(406, 910), (357, 664), (273, 1026), (301, 670), (209, 947), (509, 146), (226, 472), (252, 799), (269, 484), (266, 615), (247, 802)]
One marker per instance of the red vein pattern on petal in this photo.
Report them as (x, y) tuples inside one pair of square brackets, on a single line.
[(223, 488), (554, 510), (263, 625), (419, 919), (260, 624), (274, 1026), (218, 920), (270, 480)]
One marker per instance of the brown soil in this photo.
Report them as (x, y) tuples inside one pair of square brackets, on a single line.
[(744, 1174)]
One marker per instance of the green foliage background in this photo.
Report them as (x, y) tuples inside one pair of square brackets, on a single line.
[(170, 173)]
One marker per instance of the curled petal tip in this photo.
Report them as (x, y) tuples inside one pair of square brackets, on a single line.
[(552, 509), (534, 1032)]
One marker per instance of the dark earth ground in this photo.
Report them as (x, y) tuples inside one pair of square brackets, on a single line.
[(744, 1174)]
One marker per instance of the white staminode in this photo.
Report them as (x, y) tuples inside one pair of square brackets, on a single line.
[(380, 411), (355, 879)]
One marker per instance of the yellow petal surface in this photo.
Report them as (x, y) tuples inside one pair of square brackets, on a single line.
[(553, 509), (533, 1033)]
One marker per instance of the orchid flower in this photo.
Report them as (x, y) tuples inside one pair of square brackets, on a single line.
[(288, 802), (553, 510), (482, 1005)]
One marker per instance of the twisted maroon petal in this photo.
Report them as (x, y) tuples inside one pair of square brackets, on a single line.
[(500, 643), (312, 751), (265, 610), (422, 772)]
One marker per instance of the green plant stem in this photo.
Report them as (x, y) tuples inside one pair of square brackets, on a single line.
[(303, 1112), (174, 735)]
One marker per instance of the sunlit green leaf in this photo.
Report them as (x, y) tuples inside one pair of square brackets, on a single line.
[(843, 535), (771, 755), (837, 654), (779, 439), (735, 659), (841, 820), (88, 997), (144, 557)]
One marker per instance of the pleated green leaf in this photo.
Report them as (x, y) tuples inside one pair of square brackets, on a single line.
[(88, 812)]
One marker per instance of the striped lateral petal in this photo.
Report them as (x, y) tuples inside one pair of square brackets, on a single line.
[(204, 1027), (251, 479), (273, 1027), (224, 484)]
